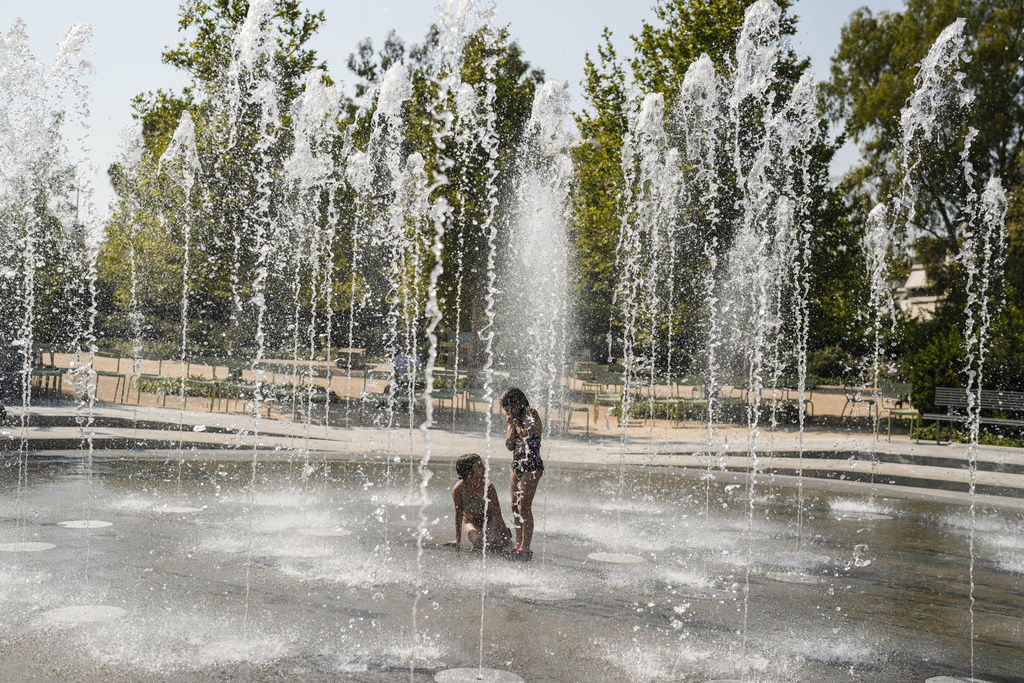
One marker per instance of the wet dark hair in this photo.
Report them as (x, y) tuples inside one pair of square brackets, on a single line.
[(464, 465), (513, 397)]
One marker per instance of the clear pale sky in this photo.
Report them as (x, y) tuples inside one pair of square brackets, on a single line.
[(129, 35)]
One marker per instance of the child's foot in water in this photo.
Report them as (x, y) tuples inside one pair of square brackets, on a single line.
[(518, 554)]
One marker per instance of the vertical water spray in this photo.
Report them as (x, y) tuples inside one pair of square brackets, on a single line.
[(938, 93), (939, 107), (41, 224), (180, 162), (310, 174), (386, 189), (248, 109), (131, 154), (796, 130), (354, 159), (467, 127), (537, 290), (981, 255), (750, 114), (877, 245), (697, 118), (67, 76), (647, 209), (22, 109), (489, 228), (446, 77)]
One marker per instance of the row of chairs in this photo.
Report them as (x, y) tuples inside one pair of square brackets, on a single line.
[(162, 383), (465, 392), (678, 399), (462, 391)]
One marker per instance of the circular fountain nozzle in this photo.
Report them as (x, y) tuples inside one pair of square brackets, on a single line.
[(541, 594), (467, 674), (84, 524), (26, 547), (616, 558)]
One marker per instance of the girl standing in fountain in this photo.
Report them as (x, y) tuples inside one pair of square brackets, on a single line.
[(468, 496), (523, 439)]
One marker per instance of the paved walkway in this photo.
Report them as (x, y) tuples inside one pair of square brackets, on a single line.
[(822, 456)]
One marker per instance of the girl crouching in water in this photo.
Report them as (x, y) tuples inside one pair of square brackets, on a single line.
[(468, 496), (523, 439)]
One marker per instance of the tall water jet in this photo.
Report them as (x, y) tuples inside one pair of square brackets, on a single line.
[(311, 181), (772, 235), (131, 152), (645, 296), (749, 287), (390, 220), (937, 109), (47, 254), (536, 290), (877, 245), (981, 256), (181, 162), (697, 116), (750, 107), (455, 25)]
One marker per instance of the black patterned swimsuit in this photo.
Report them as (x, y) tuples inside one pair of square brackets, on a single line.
[(526, 455)]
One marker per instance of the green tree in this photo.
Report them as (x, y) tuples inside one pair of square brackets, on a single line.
[(598, 168), (488, 59), (242, 143), (665, 50), (689, 29), (42, 250), (872, 77)]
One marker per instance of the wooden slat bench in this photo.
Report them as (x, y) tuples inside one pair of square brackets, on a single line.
[(1005, 401)]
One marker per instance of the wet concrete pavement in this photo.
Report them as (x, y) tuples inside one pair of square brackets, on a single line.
[(298, 559)]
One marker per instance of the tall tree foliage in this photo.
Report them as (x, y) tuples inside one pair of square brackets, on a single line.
[(689, 29), (598, 164), (872, 77), (665, 50), (488, 60), (238, 149)]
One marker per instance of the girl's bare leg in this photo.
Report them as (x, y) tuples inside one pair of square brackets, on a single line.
[(524, 487), (474, 535), (497, 534)]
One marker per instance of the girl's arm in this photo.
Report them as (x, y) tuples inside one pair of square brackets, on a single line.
[(457, 499), (510, 436)]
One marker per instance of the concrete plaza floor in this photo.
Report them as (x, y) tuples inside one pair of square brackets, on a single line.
[(825, 452), (154, 544)]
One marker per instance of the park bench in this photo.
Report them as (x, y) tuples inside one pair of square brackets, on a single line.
[(989, 400)]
